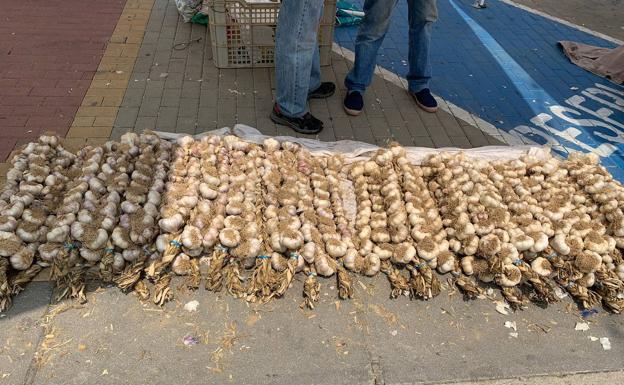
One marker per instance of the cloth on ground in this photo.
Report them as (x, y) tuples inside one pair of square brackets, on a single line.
[(354, 150), (605, 62)]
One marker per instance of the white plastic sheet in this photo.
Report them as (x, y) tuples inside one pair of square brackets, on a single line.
[(354, 150)]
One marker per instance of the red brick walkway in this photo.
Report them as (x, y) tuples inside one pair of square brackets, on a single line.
[(49, 52)]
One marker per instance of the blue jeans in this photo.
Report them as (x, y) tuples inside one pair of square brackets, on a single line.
[(297, 60), (373, 29)]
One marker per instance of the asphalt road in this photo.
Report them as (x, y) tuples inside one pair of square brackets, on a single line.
[(604, 16)]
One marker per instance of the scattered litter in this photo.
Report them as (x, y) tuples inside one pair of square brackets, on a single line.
[(588, 313), (252, 319), (606, 344), (164, 74), (502, 307), (514, 335), (489, 291), (581, 326), (104, 372), (511, 325), (574, 88), (394, 333), (388, 316), (191, 306), (235, 92), (190, 341), (560, 293), (592, 338), (538, 327), (118, 72)]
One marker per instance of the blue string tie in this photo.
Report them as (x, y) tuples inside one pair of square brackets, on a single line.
[(69, 246), (517, 262), (263, 257), (175, 243), (222, 248), (109, 250)]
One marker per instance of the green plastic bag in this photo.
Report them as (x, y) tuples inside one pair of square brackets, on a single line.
[(200, 18)]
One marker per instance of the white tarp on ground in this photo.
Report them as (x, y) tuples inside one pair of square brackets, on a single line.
[(352, 150)]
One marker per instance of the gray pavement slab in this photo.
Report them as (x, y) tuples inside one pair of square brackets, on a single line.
[(448, 339), (115, 339), (20, 332)]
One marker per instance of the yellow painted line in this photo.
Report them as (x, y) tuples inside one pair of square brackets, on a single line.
[(95, 118)]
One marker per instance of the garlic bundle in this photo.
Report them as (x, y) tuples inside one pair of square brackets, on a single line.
[(240, 236), (478, 222), (265, 281), (229, 204), (298, 204), (363, 261), (332, 246), (138, 205), (607, 196), (247, 221), (600, 225), (179, 199), (336, 175), (287, 193), (30, 195), (80, 208), (527, 229)]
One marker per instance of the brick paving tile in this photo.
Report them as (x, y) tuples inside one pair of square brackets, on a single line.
[(49, 62)]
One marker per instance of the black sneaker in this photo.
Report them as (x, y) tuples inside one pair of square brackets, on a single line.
[(353, 103), (425, 100), (307, 124), (325, 90)]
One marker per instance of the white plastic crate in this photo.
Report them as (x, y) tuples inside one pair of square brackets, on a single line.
[(242, 32)]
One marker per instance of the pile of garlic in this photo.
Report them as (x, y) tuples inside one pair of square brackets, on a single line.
[(27, 201), (132, 238), (249, 217)]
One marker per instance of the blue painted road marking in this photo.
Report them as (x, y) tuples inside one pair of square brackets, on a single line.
[(503, 65)]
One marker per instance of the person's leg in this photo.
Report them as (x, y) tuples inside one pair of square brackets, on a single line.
[(371, 33), (421, 15), (315, 76), (295, 50), (318, 89)]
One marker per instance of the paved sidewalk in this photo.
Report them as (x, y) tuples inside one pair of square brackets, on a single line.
[(114, 339), (180, 90), (49, 52)]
